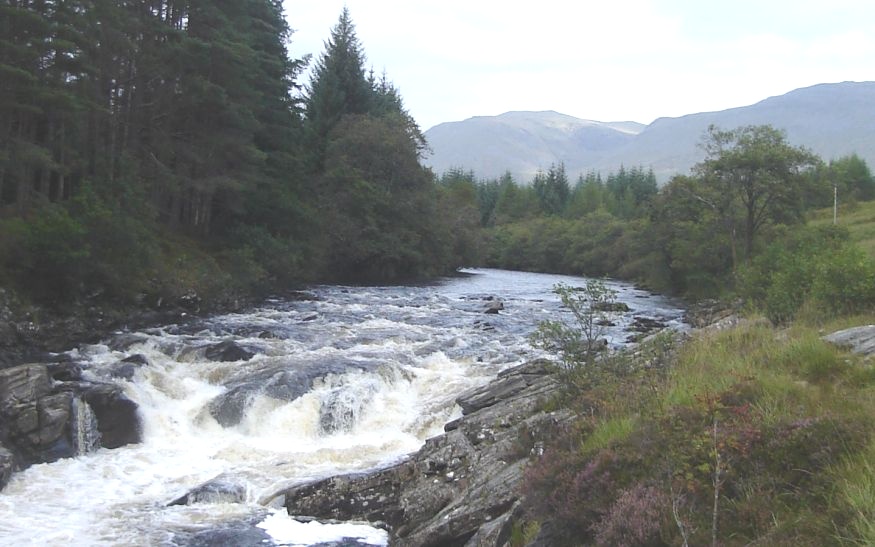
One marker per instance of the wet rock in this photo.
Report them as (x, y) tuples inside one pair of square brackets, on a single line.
[(494, 307), (646, 324), (228, 351), (38, 429), (460, 487), (220, 489), (484, 326), (227, 536), (124, 342), (605, 323), (136, 359), (228, 408), (127, 367), (611, 307), (310, 318), (860, 340), (117, 418), (65, 372), (285, 382), (7, 466), (342, 407)]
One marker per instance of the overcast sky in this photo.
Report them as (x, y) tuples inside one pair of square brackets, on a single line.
[(605, 60)]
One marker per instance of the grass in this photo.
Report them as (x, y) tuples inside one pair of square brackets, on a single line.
[(789, 415), (858, 218), (609, 432)]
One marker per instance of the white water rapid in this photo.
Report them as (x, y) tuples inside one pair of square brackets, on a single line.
[(350, 380)]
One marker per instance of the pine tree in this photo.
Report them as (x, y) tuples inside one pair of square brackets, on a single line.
[(339, 85)]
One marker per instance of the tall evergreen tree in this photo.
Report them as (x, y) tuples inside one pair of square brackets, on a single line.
[(339, 85)]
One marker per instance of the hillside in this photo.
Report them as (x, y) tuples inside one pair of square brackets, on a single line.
[(833, 120), (523, 142)]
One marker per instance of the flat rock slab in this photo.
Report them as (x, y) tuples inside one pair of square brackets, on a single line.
[(860, 340)]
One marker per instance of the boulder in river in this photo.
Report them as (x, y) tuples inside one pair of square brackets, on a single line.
[(7, 466), (44, 419), (611, 307), (220, 489), (285, 381), (117, 418), (127, 367), (494, 307), (228, 351), (646, 324)]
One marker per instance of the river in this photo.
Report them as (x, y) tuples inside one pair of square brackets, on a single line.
[(346, 379)]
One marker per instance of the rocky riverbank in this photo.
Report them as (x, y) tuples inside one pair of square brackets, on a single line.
[(33, 334), (50, 411), (466, 487), (462, 487)]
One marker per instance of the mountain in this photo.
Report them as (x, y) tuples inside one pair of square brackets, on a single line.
[(833, 120)]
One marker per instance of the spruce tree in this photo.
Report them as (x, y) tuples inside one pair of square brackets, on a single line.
[(339, 85)]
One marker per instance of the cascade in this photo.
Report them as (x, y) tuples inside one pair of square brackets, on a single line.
[(85, 434)]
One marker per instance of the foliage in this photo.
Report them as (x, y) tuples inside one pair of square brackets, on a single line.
[(750, 178), (817, 265), (695, 236), (552, 190), (742, 436), (126, 130), (578, 343)]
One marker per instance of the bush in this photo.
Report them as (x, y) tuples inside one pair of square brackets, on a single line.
[(817, 265), (48, 255), (578, 343)]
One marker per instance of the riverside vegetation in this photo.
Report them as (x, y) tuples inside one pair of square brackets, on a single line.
[(747, 435), (155, 152)]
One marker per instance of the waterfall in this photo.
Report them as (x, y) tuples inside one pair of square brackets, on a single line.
[(84, 432)]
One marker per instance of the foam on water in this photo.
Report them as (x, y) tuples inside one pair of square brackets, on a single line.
[(286, 531)]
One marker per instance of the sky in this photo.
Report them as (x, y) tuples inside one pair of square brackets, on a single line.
[(604, 60)]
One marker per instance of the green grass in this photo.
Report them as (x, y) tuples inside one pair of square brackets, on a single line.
[(609, 432), (856, 493), (795, 434), (858, 218)]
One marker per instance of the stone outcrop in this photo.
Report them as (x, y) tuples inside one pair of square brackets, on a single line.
[(859, 340), (7, 466), (48, 412), (116, 414), (461, 487)]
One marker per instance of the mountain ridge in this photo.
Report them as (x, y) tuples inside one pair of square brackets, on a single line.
[(833, 120)]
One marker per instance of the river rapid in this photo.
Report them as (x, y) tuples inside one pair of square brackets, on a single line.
[(346, 379)]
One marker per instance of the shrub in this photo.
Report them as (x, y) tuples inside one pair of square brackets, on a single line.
[(635, 518), (817, 265), (579, 342)]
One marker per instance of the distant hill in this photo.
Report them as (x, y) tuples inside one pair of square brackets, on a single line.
[(833, 120)]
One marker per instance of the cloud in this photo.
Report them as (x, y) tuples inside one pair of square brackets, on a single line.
[(632, 59)]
